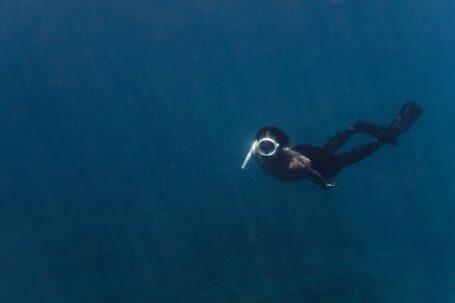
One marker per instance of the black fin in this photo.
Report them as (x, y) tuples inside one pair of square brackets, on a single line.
[(406, 118)]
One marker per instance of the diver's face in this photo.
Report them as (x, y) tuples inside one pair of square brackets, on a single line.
[(267, 147), (263, 149)]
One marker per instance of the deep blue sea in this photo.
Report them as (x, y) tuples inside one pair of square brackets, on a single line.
[(123, 126)]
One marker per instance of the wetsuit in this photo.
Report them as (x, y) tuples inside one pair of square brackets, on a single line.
[(324, 159), (326, 163)]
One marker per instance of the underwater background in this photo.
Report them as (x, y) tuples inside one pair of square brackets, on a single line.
[(123, 125)]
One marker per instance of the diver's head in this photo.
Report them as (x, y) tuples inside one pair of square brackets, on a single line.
[(274, 133), (269, 141)]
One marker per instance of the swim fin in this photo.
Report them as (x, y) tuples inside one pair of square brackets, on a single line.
[(406, 118)]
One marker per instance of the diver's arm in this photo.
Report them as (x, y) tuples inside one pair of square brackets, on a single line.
[(300, 162), (296, 155), (316, 178)]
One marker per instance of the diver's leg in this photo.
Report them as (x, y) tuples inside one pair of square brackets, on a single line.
[(406, 117), (369, 128), (339, 139), (360, 127), (358, 153), (376, 131)]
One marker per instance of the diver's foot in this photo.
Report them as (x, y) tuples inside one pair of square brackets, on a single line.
[(389, 136), (405, 118)]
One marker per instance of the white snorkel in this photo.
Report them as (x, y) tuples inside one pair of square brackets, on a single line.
[(250, 154), (256, 147)]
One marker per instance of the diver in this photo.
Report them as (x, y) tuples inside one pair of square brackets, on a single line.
[(320, 164)]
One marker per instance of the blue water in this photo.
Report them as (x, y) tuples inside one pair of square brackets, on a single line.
[(124, 124)]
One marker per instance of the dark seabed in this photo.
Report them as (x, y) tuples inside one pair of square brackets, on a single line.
[(124, 124)]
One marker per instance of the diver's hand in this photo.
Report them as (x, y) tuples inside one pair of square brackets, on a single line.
[(329, 185)]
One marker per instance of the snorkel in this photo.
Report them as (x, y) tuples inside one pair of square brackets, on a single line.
[(257, 147), (250, 154)]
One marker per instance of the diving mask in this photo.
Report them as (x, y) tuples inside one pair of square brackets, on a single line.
[(266, 147)]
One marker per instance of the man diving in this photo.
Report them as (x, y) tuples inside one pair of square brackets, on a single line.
[(320, 164)]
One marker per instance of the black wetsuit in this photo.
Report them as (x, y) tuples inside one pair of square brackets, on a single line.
[(326, 163), (324, 159)]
